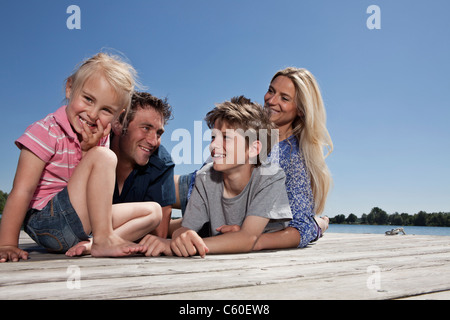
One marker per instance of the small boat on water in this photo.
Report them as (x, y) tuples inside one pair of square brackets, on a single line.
[(394, 232)]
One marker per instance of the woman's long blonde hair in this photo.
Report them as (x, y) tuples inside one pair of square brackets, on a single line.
[(311, 131)]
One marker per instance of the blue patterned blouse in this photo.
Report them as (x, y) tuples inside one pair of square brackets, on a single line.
[(288, 156)]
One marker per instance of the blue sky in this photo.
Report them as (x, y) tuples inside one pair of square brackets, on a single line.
[(386, 91)]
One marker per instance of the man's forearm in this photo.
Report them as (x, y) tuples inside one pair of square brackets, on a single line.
[(163, 229)]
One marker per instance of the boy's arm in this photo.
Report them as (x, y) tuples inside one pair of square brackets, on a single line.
[(187, 242), (240, 241), (29, 171)]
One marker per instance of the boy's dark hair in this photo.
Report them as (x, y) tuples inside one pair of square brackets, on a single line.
[(241, 113), (145, 100)]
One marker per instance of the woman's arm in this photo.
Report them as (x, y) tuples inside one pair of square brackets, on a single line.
[(240, 241), (286, 238)]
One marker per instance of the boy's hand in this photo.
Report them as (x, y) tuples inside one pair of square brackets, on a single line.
[(228, 228), (11, 253), (156, 246), (188, 244), (91, 139)]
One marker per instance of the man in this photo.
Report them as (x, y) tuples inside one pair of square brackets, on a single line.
[(145, 168)]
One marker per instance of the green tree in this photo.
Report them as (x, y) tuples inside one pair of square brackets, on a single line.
[(396, 219), (378, 216), (364, 219), (420, 218), (437, 219), (340, 218), (351, 218), (3, 197), (407, 219)]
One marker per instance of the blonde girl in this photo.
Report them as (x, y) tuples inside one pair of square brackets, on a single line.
[(65, 177)]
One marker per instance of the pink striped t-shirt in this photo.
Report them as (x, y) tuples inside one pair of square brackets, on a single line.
[(53, 140)]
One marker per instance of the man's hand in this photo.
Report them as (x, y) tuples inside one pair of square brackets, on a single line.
[(156, 246)]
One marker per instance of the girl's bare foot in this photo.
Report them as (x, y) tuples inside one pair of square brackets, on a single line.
[(80, 249), (114, 246), (323, 223)]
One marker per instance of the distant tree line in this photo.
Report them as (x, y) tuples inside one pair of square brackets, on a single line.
[(3, 197), (378, 216)]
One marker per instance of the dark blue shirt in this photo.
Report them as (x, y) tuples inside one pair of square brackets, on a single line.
[(152, 182)]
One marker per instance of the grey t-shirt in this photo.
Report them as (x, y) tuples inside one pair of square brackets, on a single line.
[(264, 195)]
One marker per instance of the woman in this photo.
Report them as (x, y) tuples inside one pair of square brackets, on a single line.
[(296, 107)]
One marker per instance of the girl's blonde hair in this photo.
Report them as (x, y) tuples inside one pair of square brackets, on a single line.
[(119, 74), (311, 131)]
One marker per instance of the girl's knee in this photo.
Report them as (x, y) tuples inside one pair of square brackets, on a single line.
[(156, 211), (153, 216), (101, 155)]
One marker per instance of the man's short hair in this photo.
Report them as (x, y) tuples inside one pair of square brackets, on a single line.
[(145, 100)]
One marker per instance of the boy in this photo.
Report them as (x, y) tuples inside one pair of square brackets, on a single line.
[(235, 189)]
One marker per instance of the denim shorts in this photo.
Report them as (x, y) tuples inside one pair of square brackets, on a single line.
[(57, 226), (185, 186)]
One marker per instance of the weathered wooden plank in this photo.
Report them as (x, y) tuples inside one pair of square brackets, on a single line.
[(340, 279), (343, 286), (339, 266)]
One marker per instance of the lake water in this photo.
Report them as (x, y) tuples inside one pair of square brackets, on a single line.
[(360, 228), (348, 228)]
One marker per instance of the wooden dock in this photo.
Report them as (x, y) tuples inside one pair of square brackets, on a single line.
[(338, 266)]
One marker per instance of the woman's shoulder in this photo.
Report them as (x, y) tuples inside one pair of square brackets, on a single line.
[(291, 142), (286, 152), (268, 173)]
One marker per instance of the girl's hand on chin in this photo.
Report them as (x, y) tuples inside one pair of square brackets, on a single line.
[(91, 139)]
